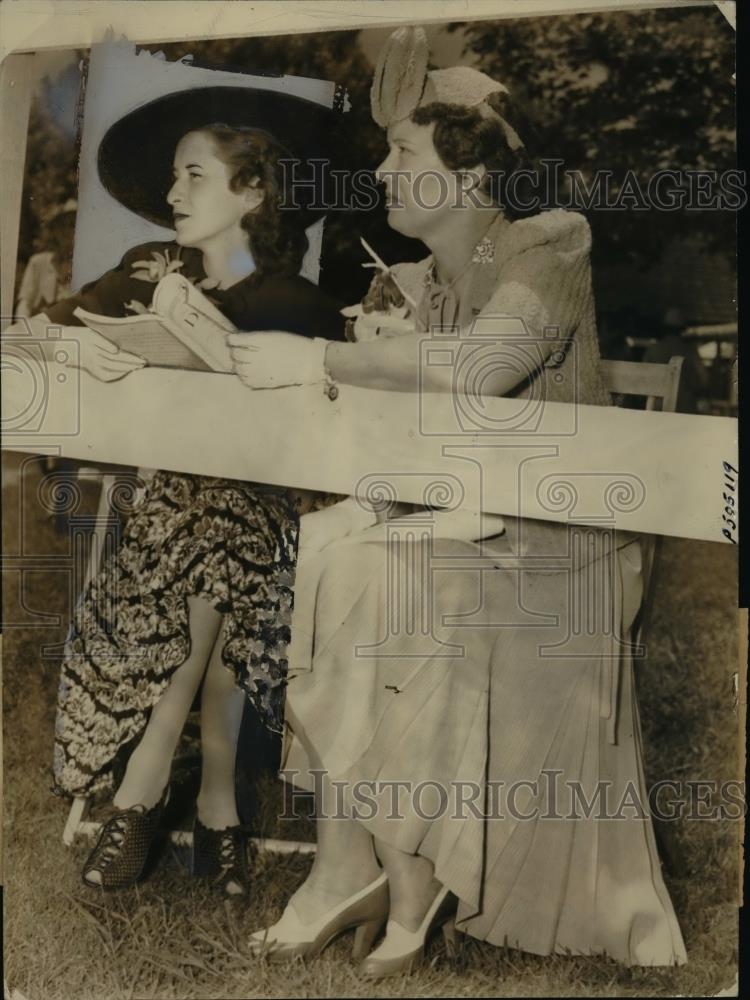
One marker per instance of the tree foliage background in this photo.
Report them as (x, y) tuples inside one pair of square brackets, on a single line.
[(618, 91), (640, 90), (51, 172)]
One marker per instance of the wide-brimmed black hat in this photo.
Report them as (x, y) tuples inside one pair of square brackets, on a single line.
[(137, 152)]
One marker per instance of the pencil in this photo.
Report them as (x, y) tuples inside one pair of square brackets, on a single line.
[(386, 270)]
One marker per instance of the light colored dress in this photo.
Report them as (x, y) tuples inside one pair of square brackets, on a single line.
[(41, 285), (502, 698)]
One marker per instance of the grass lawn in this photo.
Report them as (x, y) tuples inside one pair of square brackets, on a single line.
[(172, 937)]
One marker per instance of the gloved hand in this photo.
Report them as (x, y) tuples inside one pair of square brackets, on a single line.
[(321, 528), (273, 359), (99, 356)]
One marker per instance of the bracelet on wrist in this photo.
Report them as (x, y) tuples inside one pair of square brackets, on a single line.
[(330, 387)]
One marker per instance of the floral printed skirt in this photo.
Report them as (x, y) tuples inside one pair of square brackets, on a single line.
[(232, 544)]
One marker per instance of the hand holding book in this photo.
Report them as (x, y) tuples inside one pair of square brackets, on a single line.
[(181, 330), (100, 357)]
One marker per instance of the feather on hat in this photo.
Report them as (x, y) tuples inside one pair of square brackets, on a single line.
[(400, 76), (402, 83)]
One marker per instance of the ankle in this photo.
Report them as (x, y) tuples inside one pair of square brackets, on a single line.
[(217, 815), (410, 903), (133, 793), (146, 777), (329, 884)]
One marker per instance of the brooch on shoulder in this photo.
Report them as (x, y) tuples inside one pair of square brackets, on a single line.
[(484, 251)]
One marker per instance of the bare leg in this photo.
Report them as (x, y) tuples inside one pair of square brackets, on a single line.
[(345, 859), (148, 769), (222, 703), (411, 883)]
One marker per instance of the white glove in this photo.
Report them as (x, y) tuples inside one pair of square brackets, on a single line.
[(320, 528), (273, 359), (457, 525), (466, 525), (99, 356)]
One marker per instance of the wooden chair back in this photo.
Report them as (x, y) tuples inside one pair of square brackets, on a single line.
[(660, 385)]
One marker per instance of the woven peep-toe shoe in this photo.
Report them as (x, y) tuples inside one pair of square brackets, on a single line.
[(221, 855), (121, 852)]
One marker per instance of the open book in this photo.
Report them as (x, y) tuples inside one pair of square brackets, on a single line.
[(181, 330)]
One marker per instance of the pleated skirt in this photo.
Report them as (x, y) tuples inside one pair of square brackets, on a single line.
[(486, 719)]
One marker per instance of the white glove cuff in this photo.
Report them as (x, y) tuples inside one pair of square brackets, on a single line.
[(360, 516), (316, 359), (321, 373)]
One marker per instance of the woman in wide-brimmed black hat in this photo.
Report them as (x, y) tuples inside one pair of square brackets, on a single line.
[(202, 579)]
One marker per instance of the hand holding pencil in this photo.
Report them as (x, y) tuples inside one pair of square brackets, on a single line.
[(386, 310)]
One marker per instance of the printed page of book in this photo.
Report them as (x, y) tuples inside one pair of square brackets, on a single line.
[(148, 337)]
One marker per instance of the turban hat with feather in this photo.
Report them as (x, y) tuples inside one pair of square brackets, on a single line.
[(402, 83)]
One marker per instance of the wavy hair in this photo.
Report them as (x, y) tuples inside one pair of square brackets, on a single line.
[(464, 138), (277, 238)]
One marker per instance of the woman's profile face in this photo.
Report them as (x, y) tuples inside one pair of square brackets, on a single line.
[(420, 189), (206, 211)]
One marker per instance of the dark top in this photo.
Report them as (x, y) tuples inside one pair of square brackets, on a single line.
[(258, 302)]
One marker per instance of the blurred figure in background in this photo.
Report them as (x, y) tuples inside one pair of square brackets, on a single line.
[(46, 279), (615, 328), (694, 381)]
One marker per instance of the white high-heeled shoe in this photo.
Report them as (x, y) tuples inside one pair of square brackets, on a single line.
[(289, 937), (402, 950)]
